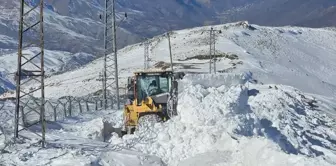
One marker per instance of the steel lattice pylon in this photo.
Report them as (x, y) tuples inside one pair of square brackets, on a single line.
[(146, 54), (212, 51), (30, 69), (110, 77)]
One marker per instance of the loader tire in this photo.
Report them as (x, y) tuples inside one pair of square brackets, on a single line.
[(148, 121)]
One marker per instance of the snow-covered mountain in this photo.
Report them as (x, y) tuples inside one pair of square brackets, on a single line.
[(299, 57), (74, 26), (148, 18), (76, 40), (272, 102), (77, 26), (284, 12), (63, 33)]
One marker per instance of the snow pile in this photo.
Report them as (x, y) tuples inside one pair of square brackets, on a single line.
[(228, 124), (248, 151), (207, 80), (224, 106), (86, 128), (128, 158), (89, 125), (73, 141), (294, 121), (29, 155)]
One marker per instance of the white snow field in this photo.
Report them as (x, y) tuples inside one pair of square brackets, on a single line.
[(272, 102)]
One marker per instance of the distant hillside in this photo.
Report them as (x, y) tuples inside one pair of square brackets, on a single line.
[(149, 18), (310, 13), (63, 33), (76, 23), (282, 55)]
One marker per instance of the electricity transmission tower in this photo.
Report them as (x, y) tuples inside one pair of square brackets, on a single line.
[(110, 47), (170, 51), (30, 68), (146, 54), (212, 51)]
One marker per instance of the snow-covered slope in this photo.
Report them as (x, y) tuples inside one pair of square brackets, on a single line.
[(299, 57)]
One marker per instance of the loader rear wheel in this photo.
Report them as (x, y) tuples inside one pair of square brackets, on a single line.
[(147, 121)]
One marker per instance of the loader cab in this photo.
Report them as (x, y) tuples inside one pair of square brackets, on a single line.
[(153, 93), (151, 83), (130, 88)]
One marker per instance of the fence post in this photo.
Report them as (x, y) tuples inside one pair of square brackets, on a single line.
[(64, 109), (87, 106), (23, 117), (80, 106), (70, 106), (96, 105), (55, 114)]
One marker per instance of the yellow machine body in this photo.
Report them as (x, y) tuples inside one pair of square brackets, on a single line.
[(133, 111), (140, 104)]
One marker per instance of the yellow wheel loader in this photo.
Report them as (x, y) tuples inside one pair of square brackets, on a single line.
[(151, 96)]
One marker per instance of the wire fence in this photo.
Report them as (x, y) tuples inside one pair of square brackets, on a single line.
[(59, 109), (5, 127), (1, 105), (68, 106)]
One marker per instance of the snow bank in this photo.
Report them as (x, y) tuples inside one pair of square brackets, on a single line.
[(129, 158), (248, 151), (27, 154), (224, 105), (73, 141), (227, 123), (92, 125), (214, 80), (294, 121)]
